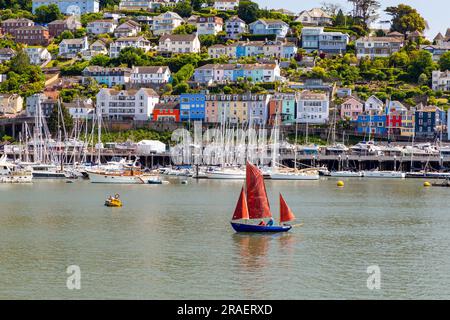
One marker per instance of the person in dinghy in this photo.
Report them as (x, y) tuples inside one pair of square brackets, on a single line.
[(254, 205)]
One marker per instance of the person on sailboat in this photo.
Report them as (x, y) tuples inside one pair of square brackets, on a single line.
[(262, 223), (270, 223)]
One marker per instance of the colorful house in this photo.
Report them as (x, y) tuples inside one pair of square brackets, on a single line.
[(282, 108), (192, 107), (351, 108), (167, 112), (373, 124), (427, 122)]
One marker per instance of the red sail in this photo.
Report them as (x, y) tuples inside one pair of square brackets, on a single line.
[(285, 212), (241, 211), (258, 204)]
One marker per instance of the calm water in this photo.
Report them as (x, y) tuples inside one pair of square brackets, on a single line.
[(175, 242)]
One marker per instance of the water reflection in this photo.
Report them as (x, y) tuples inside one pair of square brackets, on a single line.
[(252, 250)]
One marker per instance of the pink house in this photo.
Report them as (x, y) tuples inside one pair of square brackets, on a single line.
[(351, 108)]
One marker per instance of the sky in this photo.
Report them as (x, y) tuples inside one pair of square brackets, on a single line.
[(436, 12)]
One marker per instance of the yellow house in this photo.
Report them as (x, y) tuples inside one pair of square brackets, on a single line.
[(408, 123), (10, 104)]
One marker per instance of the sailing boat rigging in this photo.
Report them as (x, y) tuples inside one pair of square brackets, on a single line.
[(253, 204)]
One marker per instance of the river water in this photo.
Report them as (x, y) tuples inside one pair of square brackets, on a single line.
[(175, 242)]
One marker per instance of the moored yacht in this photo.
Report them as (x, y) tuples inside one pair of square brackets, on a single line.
[(384, 174)]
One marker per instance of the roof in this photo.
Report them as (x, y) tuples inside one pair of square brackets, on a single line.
[(439, 36), (130, 92), (104, 69), (394, 34), (267, 21), (177, 37), (310, 95), (17, 20), (353, 98), (174, 15), (238, 66), (138, 38), (73, 41), (167, 105), (235, 18), (130, 24), (150, 69), (7, 51), (32, 28), (102, 20), (380, 39), (316, 13)]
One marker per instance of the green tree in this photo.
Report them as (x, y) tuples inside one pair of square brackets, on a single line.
[(185, 29), (55, 123), (180, 88), (405, 19), (197, 4), (184, 74), (183, 8), (20, 64), (444, 61), (100, 60), (46, 14), (367, 11), (399, 59), (340, 19), (248, 11), (421, 62)]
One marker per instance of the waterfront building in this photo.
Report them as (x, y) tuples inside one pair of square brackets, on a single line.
[(69, 7), (56, 27), (395, 106), (150, 75), (441, 80), (69, 48), (448, 124), (282, 108), (427, 121), (394, 122), (377, 47), (237, 109), (226, 5), (101, 26), (44, 101), (129, 42), (38, 55), (235, 27), (9, 26), (192, 107), (167, 112), (315, 16), (129, 28), (127, 104), (316, 39), (275, 27), (166, 22), (408, 122), (351, 108), (10, 104), (109, 76), (222, 73), (80, 108), (371, 123), (209, 25), (179, 43), (6, 54), (32, 36), (313, 107), (373, 104)]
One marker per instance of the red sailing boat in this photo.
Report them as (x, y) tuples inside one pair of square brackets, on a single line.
[(255, 206)]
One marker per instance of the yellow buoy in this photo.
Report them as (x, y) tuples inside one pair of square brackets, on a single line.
[(426, 184), (340, 183)]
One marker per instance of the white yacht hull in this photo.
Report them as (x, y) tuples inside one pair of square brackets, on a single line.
[(117, 179), (384, 174), (346, 174), (293, 176), (226, 175), (16, 178)]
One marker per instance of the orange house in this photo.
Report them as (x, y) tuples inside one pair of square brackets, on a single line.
[(167, 112)]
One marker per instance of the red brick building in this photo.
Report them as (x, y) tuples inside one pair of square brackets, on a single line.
[(35, 35), (55, 28), (167, 112)]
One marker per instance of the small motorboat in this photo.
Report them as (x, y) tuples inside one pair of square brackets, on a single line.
[(445, 183), (253, 207), (113, 202), (154, 181)]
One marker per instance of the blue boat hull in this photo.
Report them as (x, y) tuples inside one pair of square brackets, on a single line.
[(240, 227)]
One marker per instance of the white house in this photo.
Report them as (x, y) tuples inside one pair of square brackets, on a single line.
[(234, 27), (166, 22), (69, 48), (312, 107), (314, 16), (373, 104), (68, 7), (151, 74), (209, 25), (10, 103), (129, 28), (441, 80), (377, 47), (226, 5), (38, 55), (101, 26), (126, 104), (125, 42), (81, 109), (179, 43)]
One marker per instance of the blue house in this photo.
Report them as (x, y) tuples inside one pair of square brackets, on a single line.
[(428, 119), (192, 107), (373, 124)]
